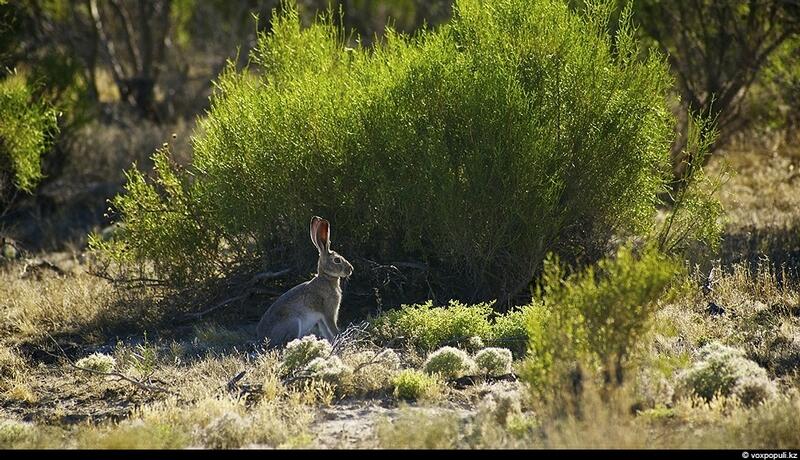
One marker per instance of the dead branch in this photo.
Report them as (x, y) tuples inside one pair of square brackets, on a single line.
[(414, 265), (375, 360), (131, 380), (268, 275), (233, 381), (250, 290), (116, 67), (200, 314), (40, 263), (353, 334), (470, 380)]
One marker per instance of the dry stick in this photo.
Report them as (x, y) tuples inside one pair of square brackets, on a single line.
[(256, 278), (199, 315), (268, 275), (372, 361), (233, 381), (40, 264), (304, 375), (144, 386)]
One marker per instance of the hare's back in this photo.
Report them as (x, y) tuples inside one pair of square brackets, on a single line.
[(291, 303)]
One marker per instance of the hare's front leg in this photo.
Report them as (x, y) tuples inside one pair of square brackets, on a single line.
[(328, 328)]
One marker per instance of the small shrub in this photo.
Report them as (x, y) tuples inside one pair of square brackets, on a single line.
[(654, 387), (300, 352), (389, 359), (135, 434), (510, 331), (724, 371), (227, 431), (595, 317), (279, 424), (427, 327), (494, 361), (97, 362), (26, 130), (773, 423), (449, 362), (372, 370), (752, 390), (501, 405), (468, 326), (13, 432), (420, 429), (330, 369), (411, 384), (475, 343), (20, 388), (141, 359)]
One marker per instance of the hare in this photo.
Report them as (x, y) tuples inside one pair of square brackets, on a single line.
[(313, 303)]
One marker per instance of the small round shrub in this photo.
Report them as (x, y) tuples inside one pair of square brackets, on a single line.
[(475, 343), (411, 384), (97, 362), (724, 371), (372, 371), (718, 350), (227, 431), (12, 432), (494, 361), (449, 362), (502, 405), (330, 369), (389, 359), (300, 352), (370, 360), (752, 390)]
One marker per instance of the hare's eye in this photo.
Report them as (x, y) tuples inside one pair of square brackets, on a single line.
[(337, 260)]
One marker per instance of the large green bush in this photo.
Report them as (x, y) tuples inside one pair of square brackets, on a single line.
[(26, 129), (517, 129)]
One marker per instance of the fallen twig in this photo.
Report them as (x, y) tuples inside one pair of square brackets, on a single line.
[(40, 263), (232, 382), (137, 383), (414, 265), (470, 380), (250, 290)]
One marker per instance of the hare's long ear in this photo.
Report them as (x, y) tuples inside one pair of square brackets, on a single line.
[(320, 231), (324, 236), (312, 230)]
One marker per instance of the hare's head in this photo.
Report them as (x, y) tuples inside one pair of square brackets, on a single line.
[(330, 262)]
